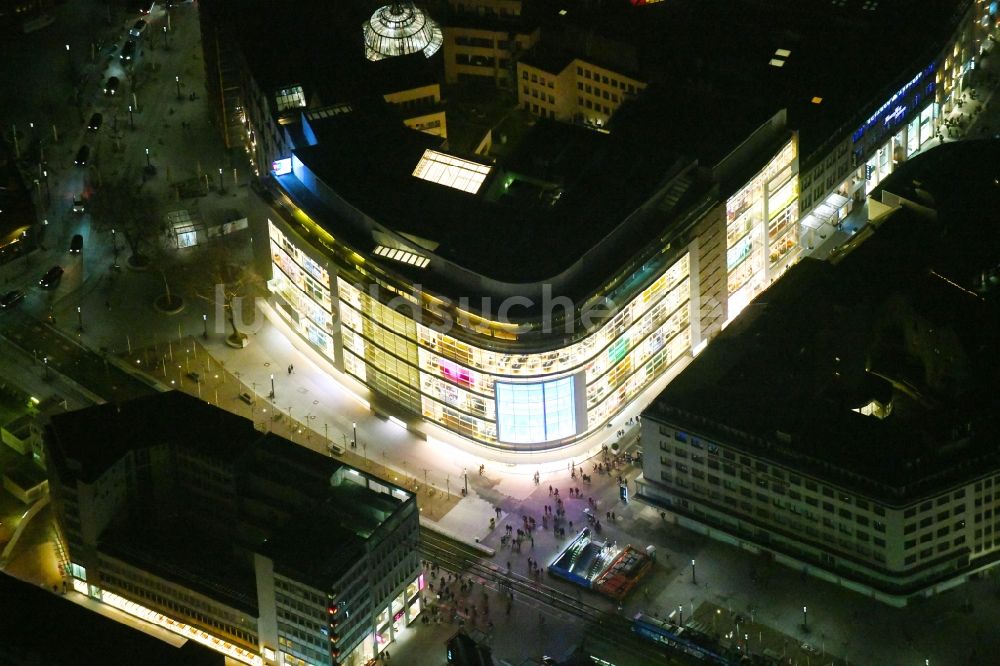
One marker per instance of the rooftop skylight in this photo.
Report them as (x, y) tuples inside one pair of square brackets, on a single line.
[(451, 171)]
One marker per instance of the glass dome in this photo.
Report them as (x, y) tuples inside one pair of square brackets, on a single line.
[(398, 29)]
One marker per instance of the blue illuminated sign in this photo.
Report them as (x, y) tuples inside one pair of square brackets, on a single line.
[(894, 109)]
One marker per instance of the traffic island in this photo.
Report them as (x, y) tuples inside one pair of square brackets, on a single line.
[(169, 304)]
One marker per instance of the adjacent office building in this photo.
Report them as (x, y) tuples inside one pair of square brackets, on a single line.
[(184, 515), (484, 39), (520, 293), (846, 424)]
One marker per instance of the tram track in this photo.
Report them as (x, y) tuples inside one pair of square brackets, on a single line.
[(603, 625)]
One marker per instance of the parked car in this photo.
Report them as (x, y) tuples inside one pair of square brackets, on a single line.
[(128, 52), (111, 86), (11, 298), (51, 277), (79, 204), (96, 120), (76, 245), (138, 28), (82, 155)]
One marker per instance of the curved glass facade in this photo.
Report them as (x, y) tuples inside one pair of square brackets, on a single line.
[(508, 400), (470, 375)]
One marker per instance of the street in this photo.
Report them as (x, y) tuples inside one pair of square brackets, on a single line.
[(75, 339)]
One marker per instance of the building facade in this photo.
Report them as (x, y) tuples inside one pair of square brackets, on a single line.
[(581, 91), (258, 548), (483, 40), (839, 173), (515, 385), (838, 466), (498, 384)]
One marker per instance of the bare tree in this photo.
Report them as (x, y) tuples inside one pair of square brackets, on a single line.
[(121, 205), (224, 275)]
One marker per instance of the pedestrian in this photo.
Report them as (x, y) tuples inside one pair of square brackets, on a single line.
[(550, 490), (613, 515)]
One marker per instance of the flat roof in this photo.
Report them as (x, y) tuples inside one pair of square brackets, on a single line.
[(711, 86), (715, 56), (186, 553), (308, 494), (97, 437), (561, 192), (832, 335)]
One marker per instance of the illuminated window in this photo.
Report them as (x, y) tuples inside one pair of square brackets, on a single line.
[(290, 98), (402, 256), (451, 171), (530, 413)]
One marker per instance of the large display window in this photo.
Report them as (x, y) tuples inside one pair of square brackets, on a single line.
[(538, 412), (454, 382)]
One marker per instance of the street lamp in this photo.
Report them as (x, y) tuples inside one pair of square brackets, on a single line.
[(354, 442), (805, 619), (131, 119), (165, 37), (177, 80), (694, 577), (272, 386), (204, 321), (79, 318), (222, 187), (147, 159), (680, 615), (45, 364)]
